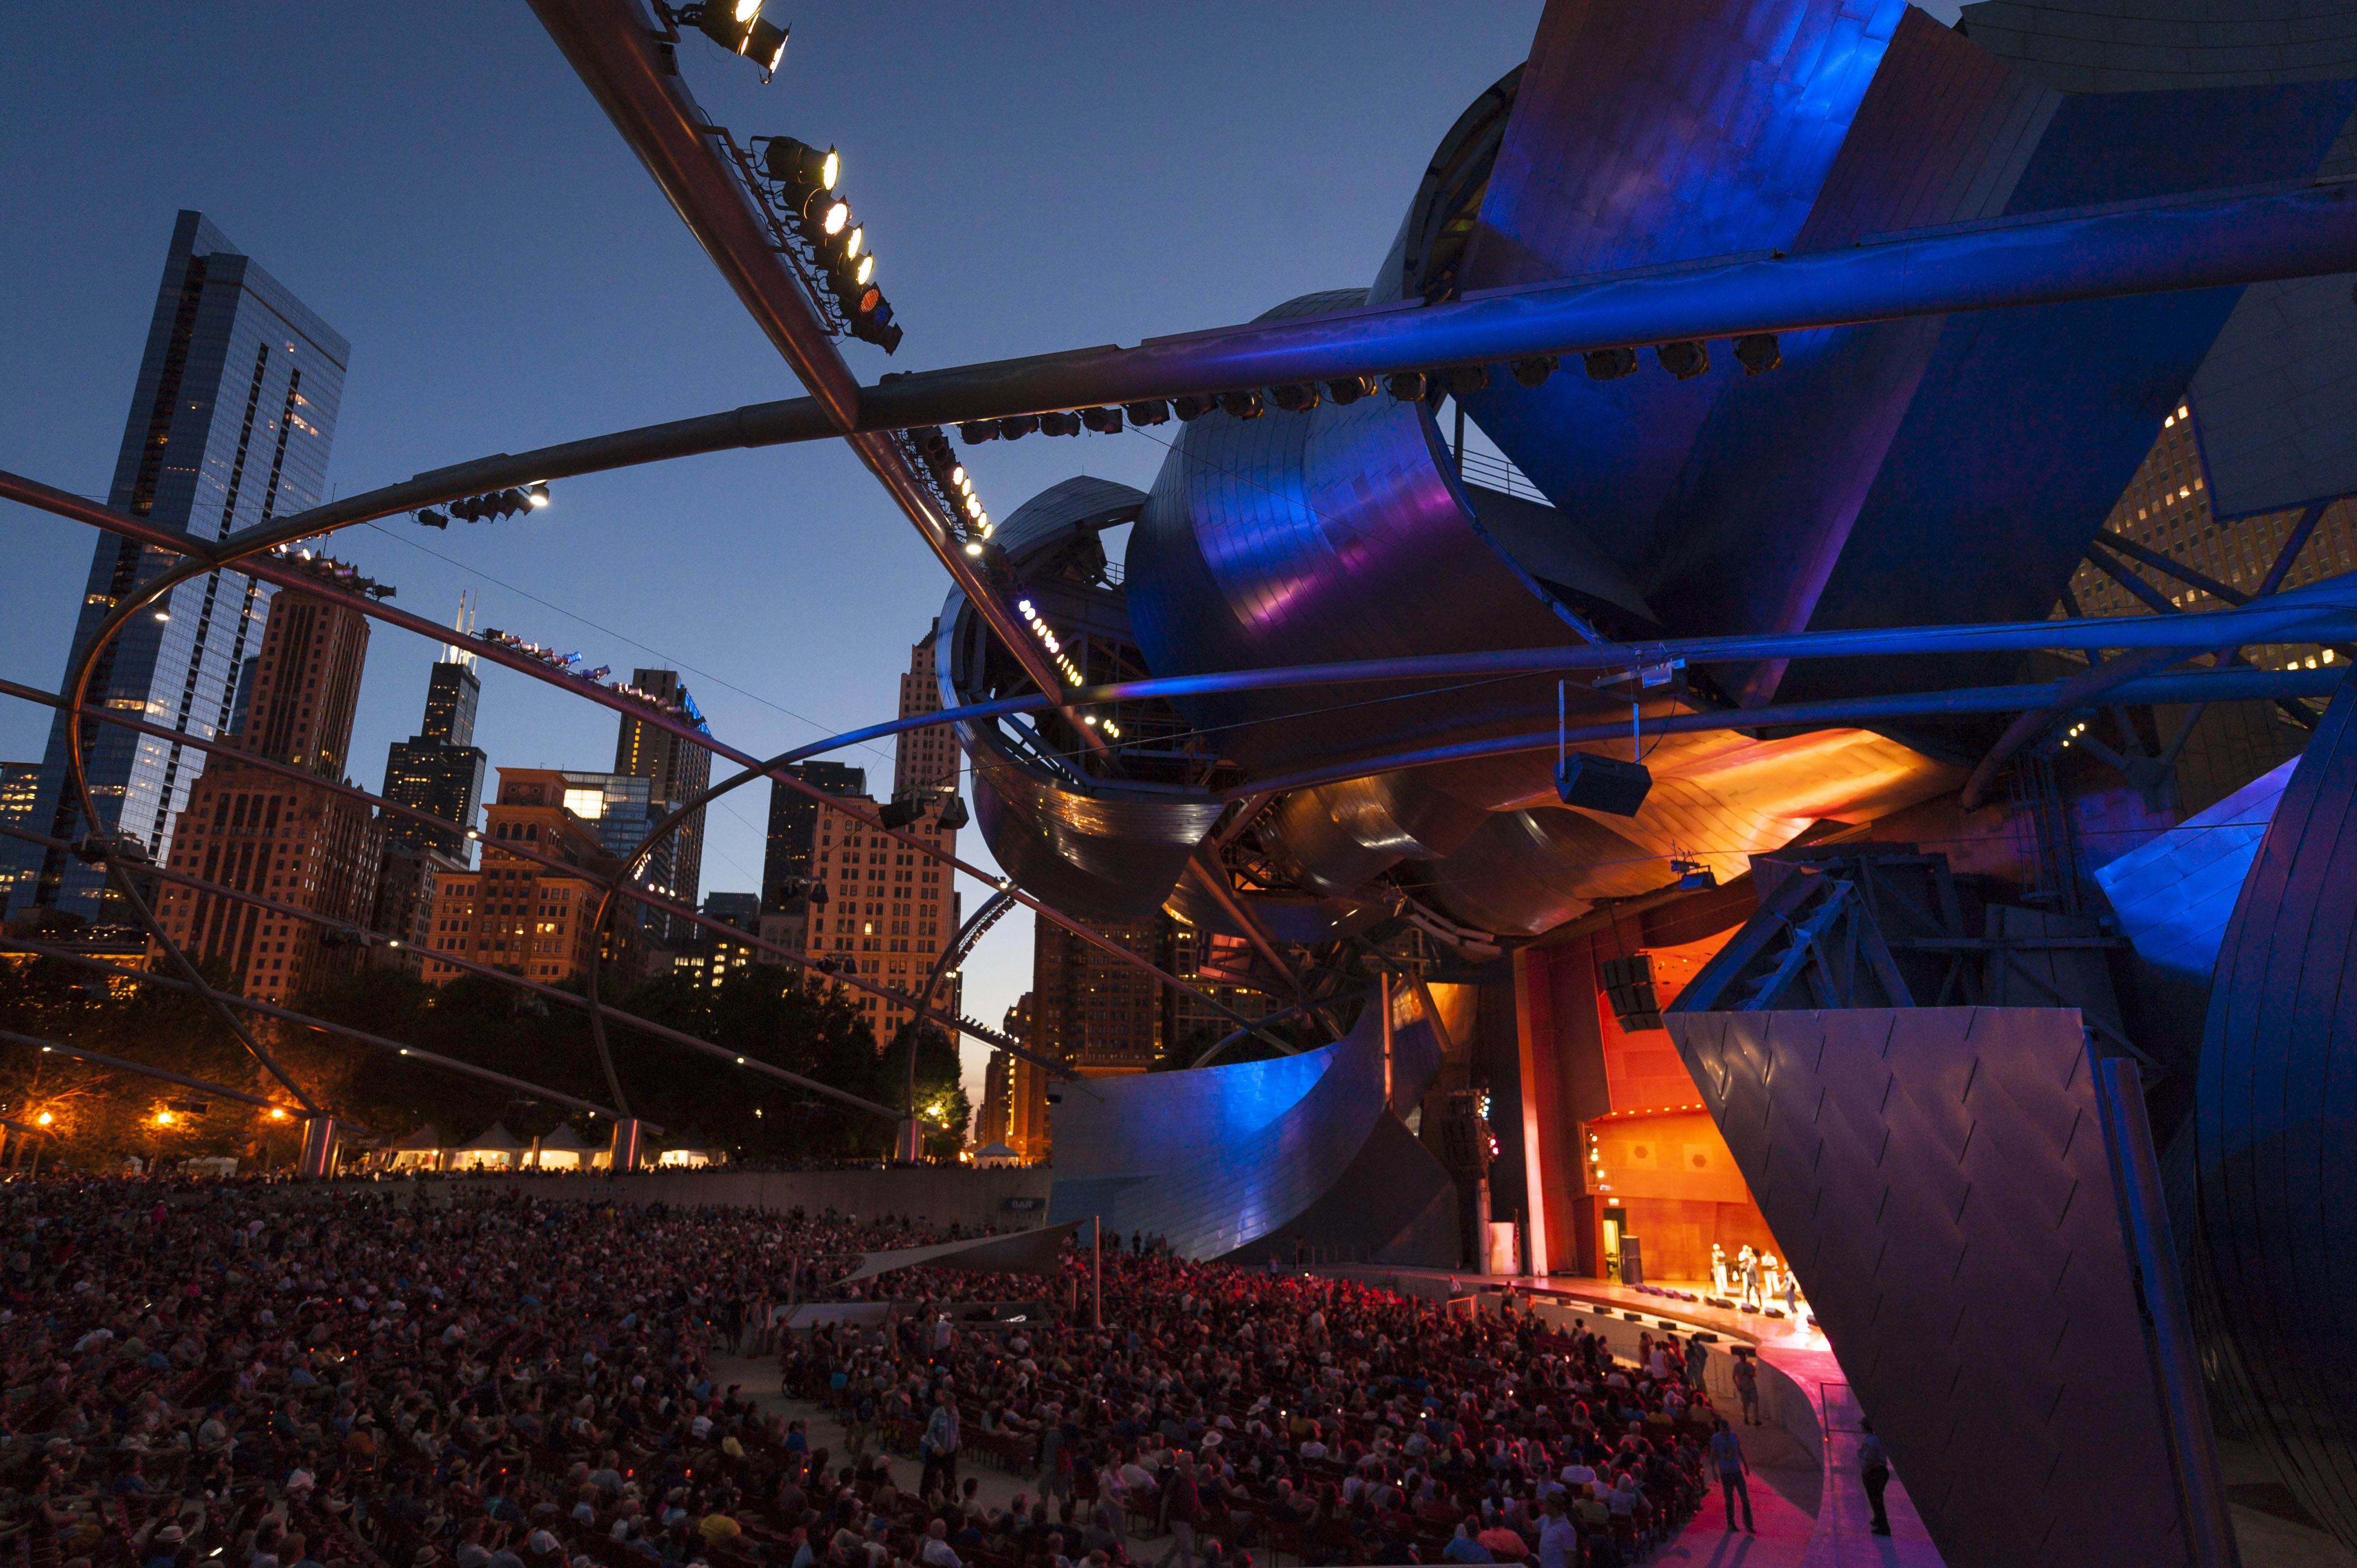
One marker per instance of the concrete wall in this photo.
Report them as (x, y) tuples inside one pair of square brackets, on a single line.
[(940, 1195)]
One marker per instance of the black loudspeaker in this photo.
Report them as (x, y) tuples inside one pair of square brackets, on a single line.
[(898, 815), (1601, 784), (1628, 986)]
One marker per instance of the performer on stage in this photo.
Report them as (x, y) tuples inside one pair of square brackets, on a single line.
[(1717, 1271), (1747, 1263)]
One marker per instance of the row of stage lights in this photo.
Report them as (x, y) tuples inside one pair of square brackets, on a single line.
[(1757, 353), (805, 178), (929, 446), (1063, 662), (493, 506), (739, 27)]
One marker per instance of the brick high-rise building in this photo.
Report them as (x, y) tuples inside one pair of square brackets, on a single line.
[(889, 911), (924, 759), (1101, 1017), (1026, 1131), (521, 916), (262, 833)]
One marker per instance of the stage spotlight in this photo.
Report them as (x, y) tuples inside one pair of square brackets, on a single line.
[(1242, 404), (1408, 386), (1020, 425), (1103, 421), (833, 216), (974, 432), (1609, 364), (1694, 875), (1462, 378), (1602, 784), (1757, 353), (433, 519), (1193, 406), (1152, 412), (801, 167), (765, 46), (1294, 397), (1060, 424), (537, 495), (1685, 359), (729, 23), (973, 546), (1535, 372), (1348, 389)]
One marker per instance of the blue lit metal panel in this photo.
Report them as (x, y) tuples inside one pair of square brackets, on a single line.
[(2175, 894), (1248, 1187), (1939, 1180), (2276, 1099)]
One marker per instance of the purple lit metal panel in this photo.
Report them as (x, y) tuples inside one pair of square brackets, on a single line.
[(2275, 1109), (1939, 1180)]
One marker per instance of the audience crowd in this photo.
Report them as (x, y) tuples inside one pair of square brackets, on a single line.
[(290, 1377)]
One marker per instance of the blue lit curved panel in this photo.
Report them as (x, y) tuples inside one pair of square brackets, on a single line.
[(2275, 1109), (1250, 1187)]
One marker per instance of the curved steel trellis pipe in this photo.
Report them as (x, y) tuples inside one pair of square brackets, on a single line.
[(288, 1015), (33, 493), (10, 688), (548, 993), (124, 1064)]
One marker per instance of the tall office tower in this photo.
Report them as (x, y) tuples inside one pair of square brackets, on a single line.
[(2166, 511), (1088, 1008), (679, 770), (710, 959), (292, 842), (522, 916), (887, 912), (1216, 964), (229, 428), (20, 785), (786, 861), (1027, 1090), (925, 759), (990, 1122), (439, 769)]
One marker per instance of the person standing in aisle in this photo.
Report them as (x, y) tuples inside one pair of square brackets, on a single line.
[(1747, 1388), (1874, 1472), (1734, 1474)]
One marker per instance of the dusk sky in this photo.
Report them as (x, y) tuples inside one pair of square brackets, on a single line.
[(435, 183)]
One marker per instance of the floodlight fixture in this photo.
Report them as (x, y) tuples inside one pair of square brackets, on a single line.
[(833, 215), (729, 23), (1152, 412), (537, 495), (1018, 426), (1193, 406), (1103, 421), (800, 166), (1757, 353), (765, 46), (1350, 389), (1609, 364), (1245, 404), (1060, 424), (1685, 359), (1462, 378), (1294, 397), (1408, 386), (1535, 371), (974, 432)]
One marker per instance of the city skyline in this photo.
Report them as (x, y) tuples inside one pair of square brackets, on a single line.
[(461, 350)]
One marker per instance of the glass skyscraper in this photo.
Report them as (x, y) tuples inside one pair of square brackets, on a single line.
[(230, 427)]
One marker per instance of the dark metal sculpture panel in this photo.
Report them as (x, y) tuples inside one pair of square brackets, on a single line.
[(2276, 1159), (1939, 1180)]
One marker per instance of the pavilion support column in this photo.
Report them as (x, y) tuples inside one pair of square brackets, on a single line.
[(630, 1135), (320, 1135)]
